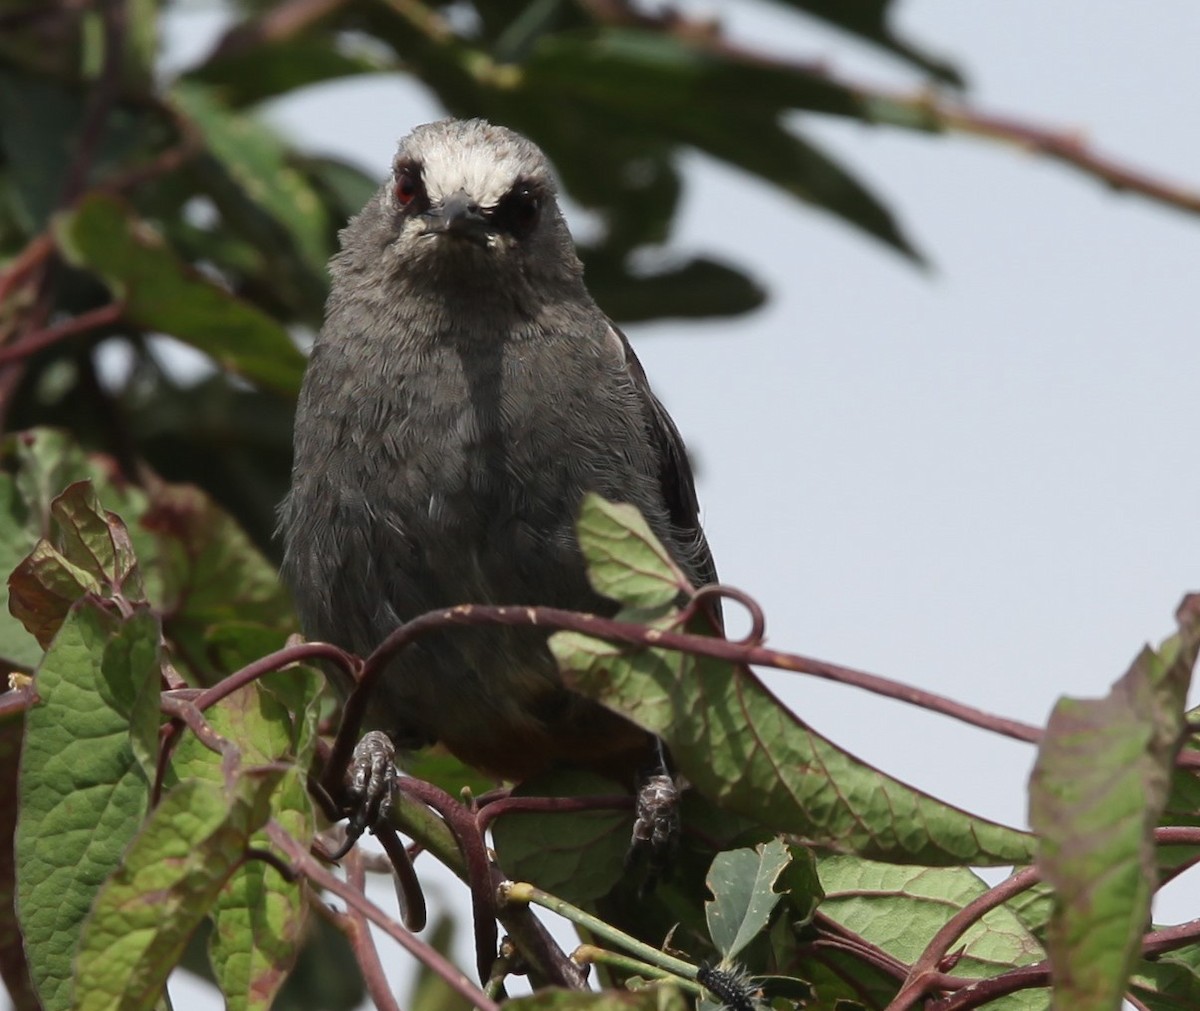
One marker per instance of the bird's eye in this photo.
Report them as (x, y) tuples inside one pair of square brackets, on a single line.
[(519, 210), (407, 186), (525, 206)]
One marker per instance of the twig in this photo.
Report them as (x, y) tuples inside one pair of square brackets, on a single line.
[(632, 634), (920, 977), (461, 822), (277, 24), (523, 892), (365, 951), (356, 900), (93, 319), (101, 98), (549, 805), (924, 108), (35, 254), (590, 954)]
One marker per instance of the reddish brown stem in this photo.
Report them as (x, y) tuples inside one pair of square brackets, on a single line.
[(365, 951), (921, 976), (548, 805), (615, 631), (357, 901), (93, 319)]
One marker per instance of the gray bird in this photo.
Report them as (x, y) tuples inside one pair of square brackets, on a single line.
[(463, 394)]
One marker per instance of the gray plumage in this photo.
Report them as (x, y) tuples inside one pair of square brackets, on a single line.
[(463, 394)]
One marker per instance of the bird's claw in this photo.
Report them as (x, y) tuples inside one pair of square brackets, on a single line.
[(656, 828), (369, 780)]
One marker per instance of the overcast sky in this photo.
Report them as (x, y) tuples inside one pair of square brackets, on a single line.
[(982, 479)]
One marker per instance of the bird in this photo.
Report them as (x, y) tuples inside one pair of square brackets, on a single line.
[(462, 396)]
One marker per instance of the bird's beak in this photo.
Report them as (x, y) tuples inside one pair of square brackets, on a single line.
[(458, 215)]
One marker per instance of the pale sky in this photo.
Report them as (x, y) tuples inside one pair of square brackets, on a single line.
[(981, 479)]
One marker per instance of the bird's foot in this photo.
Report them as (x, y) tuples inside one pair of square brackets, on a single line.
[(369, 780), (657, 826)]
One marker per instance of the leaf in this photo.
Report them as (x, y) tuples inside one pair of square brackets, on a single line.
[(625, 561), (14, 968), (94, 555), (732, 108), (697, 288), (42, 589), (737, 744), (173, 872), (1171, 982), (742, 883), (211, 574), (901, 908), (256, 160), (18, 648), (260, 919), (95, 539), (1097, 791), (46, 462), (40, 122), (242, 76), (868, 19), (579, 856), (162, 294), (83, 788)]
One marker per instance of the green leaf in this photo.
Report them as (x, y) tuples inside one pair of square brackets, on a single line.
[(1097, 791), (40, 122), (18, 647), (211, 574), (260, 919), (162, 294), (901, 908), (94, 554), (244, 76), (625, 561), (95, 539), (14, 967), (174, 870), (84, 788), (697, 288), (46, 462), (734, 109), (749, 754), (868, 19), (1171, 982), (345, 187), (742, 883), (257, 162), (578, 856)]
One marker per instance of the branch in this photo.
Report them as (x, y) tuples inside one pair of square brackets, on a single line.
[(923, 109), (93, 319), (628, 633), (363, 943), (101, 98), (355, 900), (921, 977)]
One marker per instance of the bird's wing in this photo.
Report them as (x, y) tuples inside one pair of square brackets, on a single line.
[(675, 474)]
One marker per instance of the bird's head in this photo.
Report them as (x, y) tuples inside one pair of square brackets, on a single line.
[(469, 197)]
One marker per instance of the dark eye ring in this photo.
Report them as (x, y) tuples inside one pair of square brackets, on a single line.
[(525, 205)]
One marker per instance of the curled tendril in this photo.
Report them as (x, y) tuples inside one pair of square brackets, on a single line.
[(758, 621)]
